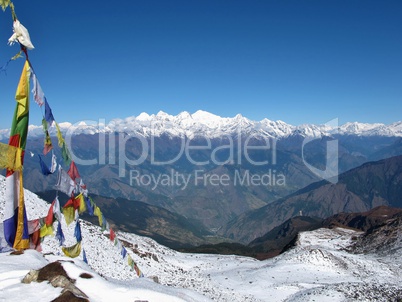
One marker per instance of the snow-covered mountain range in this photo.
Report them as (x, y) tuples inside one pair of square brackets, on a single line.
[(320, 267), (205, 124)]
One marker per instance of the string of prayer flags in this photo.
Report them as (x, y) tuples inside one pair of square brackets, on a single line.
[(15, 57), (16, 227), (72, 251), (134, 266)]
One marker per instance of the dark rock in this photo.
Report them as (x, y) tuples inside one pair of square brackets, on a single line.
[(51, 271), (68, 296), (86, 276)]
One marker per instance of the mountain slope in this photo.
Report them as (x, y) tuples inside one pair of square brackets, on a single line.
[(273, 242), (203, 166), (363, 221), (167, 228), (319, 267), (358, 190)]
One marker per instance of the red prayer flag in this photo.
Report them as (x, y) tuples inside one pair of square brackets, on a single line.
[(112, 235), (73, 171), (73, 202), (49, 217)]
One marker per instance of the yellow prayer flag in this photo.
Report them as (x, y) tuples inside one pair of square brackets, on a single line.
[(72, 251), (130, 261), (83, 207), (11, 157), (46, 231), (4, 4), (98, 213), (59, 135), (69, 214), (22, 93)]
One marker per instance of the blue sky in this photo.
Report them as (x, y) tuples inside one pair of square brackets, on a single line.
[(297, 61)]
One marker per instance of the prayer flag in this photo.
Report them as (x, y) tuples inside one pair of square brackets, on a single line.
[(69, 214), (73, 171), (83, 188), (54, 163), (44, 168), (15, 219), (84, 256), (64, 182), (49, 217), (82, 207), (73, 202), (90, 205), (46, 230), (59, 234), (65, 154), (34, 235), (123, 252), (77, 231), (10, 157), (20, 35), (37, 91), (112, 235), (72, 251), (48, 141), (49, 114), (56, 209), (98, 213)]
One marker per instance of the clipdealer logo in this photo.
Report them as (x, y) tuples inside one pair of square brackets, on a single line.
[(202, 178), (331, 170), (113, 147)]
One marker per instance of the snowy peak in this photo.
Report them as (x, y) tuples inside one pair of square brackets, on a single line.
[(201, 115), (206, 124)]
